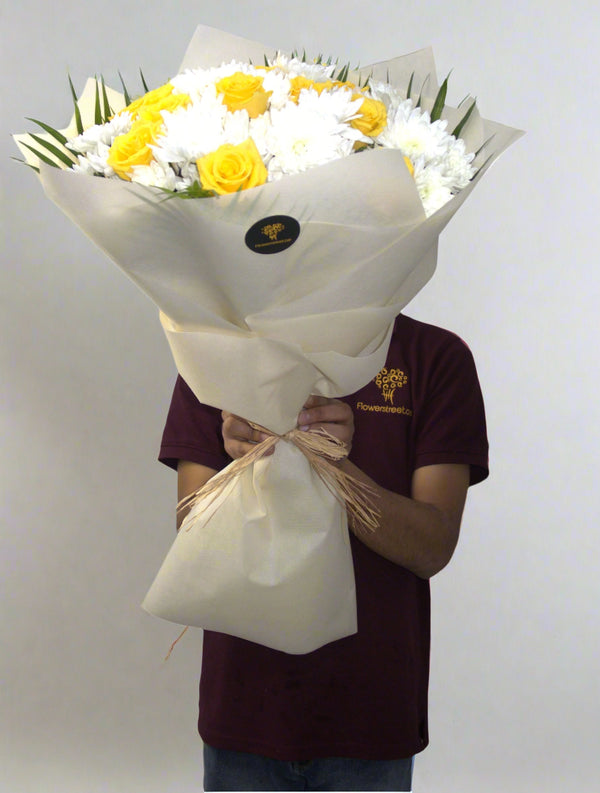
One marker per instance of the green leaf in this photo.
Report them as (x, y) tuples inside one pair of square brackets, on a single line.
[(24, 162), (343, 75), (461, 124), (126, 96), (146, 89), (440, 101), (97, 111), (483, 145), (58, 153), (195, 190), (78, 122), (481, 167), (410, 82), (41, 156), (422, 89), (50, 130), (266, 61), (107, 111)]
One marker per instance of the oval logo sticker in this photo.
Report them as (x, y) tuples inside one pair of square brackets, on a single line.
[(273, 234)]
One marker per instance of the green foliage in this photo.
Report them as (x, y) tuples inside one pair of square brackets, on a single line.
[(97, 110), (343, 73), (461, 124), (41, 157), (126, 96), (425, 81), (195, 190), (440, 101), (146, 89), (50, 130), (60, 154), (106, 108), (78, 122)]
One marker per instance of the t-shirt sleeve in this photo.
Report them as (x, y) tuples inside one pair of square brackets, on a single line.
[(192, 431), (452, 426)]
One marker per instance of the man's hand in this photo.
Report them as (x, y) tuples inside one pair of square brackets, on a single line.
[(332, 415), (239, 437)]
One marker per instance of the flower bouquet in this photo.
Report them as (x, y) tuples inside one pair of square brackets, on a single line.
[(316, 198)]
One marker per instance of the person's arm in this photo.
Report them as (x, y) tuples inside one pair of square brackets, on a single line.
[(190, 477), (419, 533)]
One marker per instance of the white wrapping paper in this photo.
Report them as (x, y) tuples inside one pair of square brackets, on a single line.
[(255, 334)]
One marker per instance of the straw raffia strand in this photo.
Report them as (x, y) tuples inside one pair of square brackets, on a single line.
[(322, 450)]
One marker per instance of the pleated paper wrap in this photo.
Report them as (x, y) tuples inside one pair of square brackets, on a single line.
[(269, 558)]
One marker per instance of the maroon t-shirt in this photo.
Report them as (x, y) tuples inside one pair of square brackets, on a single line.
[(365, 695)]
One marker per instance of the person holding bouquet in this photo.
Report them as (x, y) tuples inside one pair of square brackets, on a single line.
[(281, 212), (352, 714)]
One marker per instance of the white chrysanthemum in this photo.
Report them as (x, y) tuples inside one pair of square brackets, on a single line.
[(434, 188), (156, 175), (84, 166), (386, 93), (236, 127), (299, 139), (100, 134), (258, 131), (319, 72), (279, 85), (457, 164), (97, 161), (337, 104), (191, 132), (192, 82), (196, 82), (411, 131)]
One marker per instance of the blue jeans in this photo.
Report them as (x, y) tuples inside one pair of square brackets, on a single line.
[(226, 770)]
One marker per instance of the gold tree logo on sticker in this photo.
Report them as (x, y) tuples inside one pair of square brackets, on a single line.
[(388, 380), (272, 230)]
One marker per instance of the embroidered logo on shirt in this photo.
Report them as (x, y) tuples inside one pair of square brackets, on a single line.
[(404, 411), (388, 381)]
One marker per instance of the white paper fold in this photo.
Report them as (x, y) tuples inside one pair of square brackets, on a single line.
[(257, 334)]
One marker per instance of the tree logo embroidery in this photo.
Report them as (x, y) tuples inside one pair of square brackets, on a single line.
[(388, 380)]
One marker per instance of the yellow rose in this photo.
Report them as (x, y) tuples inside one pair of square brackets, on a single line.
[(297, 84), (348, 85), (149, 105), (231, 168), (372, 118), (243, 91), (133, 148), (409, 165)]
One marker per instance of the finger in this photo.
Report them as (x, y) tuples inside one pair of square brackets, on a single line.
[(331, 412), (239, 436), (315, 399)]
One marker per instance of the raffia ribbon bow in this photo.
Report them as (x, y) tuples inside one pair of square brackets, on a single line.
[(323, 451)]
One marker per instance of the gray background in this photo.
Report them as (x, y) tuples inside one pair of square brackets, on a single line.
[(87, 703)]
